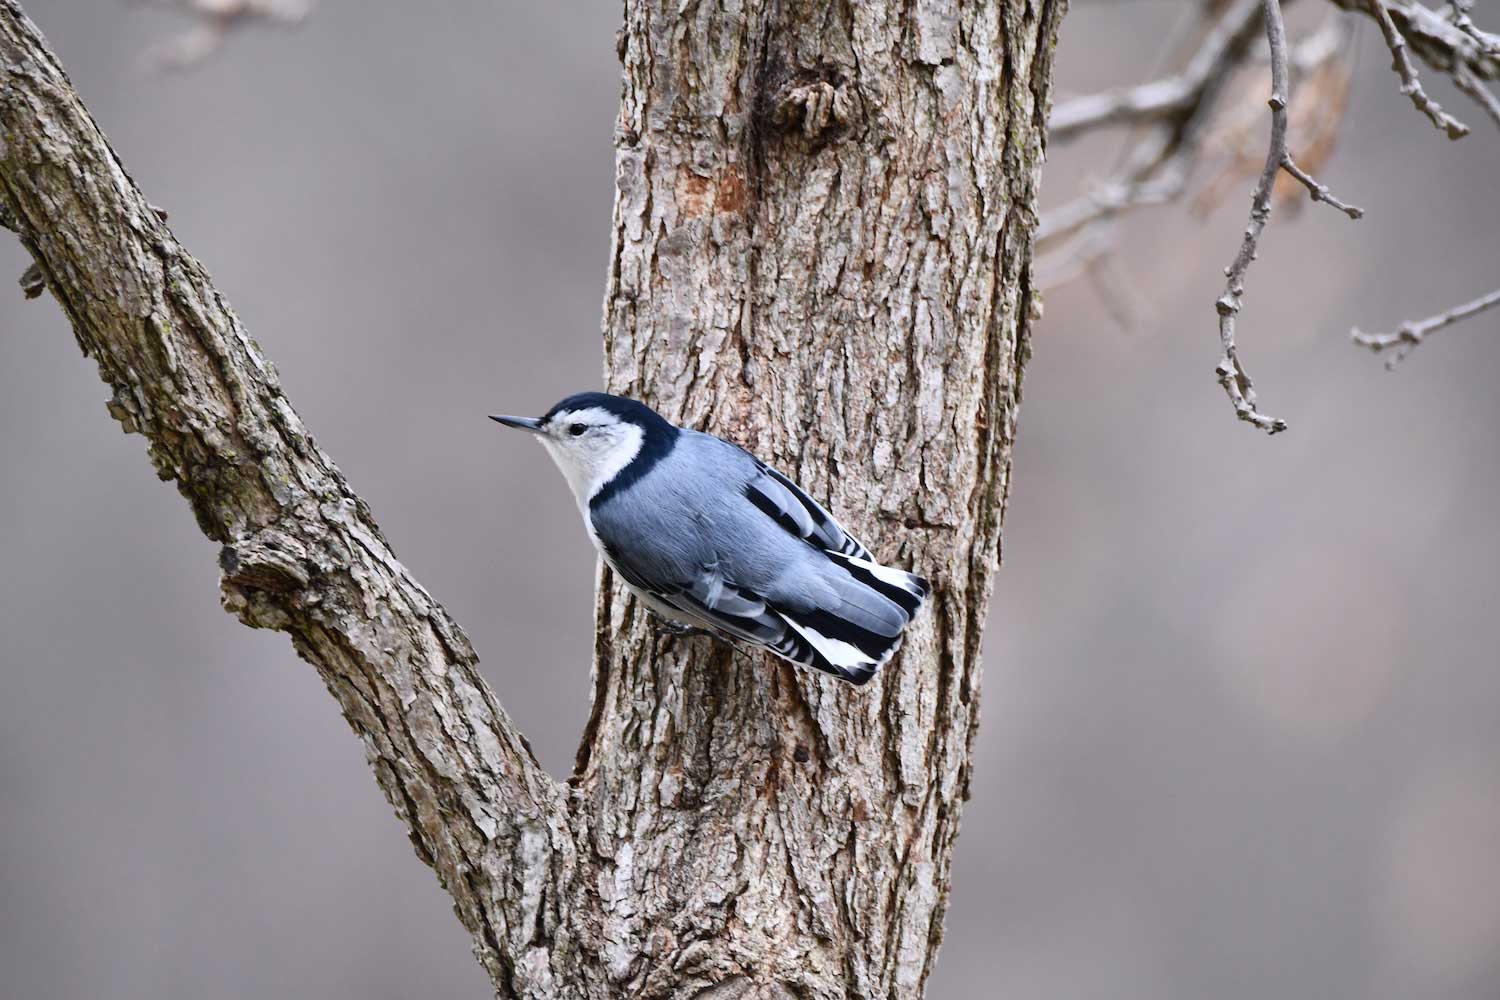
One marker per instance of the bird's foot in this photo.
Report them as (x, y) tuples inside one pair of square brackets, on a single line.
[(677, 630)]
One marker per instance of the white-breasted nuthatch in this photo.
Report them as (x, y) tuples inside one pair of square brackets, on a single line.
[(710, 537)]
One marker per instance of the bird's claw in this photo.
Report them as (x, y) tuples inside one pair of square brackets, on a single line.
[(675, 629)]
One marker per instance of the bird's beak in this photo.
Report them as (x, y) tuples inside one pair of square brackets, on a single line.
[(531, 424)]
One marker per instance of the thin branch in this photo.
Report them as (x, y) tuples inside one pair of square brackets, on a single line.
[(1319, 192), (1411, 333), (1157, 165), (1435, 39), (1466, 81), (1321, 71), (1216, 56), (1461, 20), (217, 19), (1411, 84), (299, 550), (1232, 374)]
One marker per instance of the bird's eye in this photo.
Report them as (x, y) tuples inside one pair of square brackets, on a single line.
[(577, 429)]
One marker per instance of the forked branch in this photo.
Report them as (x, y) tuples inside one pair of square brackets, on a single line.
[(1232, 375), (1175, 121), (1411, 333), (300, 552), (1411, 84)]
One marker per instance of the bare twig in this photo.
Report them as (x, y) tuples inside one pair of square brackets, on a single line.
[(1322, 68), (217, 18), (1411, 333), (1461, 20), (1411, 85), (1319, 192), (1217, 55), (1435, 39), (1156, 166), (1232, 375), (1466, 81), (1176, 118)]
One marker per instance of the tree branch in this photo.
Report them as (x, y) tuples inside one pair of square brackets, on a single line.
[(216, 20), (1411, 333), (1158, 164), (1217, 55), (1459, 9), (1411, 84), (1156, 167), (1318, 192), (1455, 48), (300, 551), (1232, 375)]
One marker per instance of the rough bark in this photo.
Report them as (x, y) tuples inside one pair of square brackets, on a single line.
[(822, 241), (821, 251), (300, 552)]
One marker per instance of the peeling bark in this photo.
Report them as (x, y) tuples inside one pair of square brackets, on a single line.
[(821, 250)]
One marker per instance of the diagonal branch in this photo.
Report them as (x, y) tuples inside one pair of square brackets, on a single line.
[(1157, 166), (1317, 191), (1411, 84), (1158, 163), (300, 551), (1459, 9), (1411, 333), (1217, 56), (1453, 46)]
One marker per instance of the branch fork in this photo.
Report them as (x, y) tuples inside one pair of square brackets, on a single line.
[(1412, 333)]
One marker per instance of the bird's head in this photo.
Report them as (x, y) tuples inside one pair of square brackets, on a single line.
[(593, 437)]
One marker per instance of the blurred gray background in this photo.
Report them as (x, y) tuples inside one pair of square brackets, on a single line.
[(1242, 708)]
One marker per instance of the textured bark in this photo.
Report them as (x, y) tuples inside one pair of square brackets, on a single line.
[(821, 251), (300, 552), (822, 241)]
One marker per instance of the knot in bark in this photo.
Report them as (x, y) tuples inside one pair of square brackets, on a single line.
[(262, 571), (818, 107)]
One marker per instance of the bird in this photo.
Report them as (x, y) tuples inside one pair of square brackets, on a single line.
[(713, 540)]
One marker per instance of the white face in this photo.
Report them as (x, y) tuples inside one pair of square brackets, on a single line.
[(590, 446)]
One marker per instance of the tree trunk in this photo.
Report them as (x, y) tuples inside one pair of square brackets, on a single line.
[(821, 250), (822, 237)]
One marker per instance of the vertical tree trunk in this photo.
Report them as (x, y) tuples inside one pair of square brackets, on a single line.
[(822, 238)]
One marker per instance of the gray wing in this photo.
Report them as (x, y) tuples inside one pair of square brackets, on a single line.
[(744, 552), (705, 598), (789, 506)]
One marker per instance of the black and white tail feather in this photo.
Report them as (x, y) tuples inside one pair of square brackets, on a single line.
[(844, 645)]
